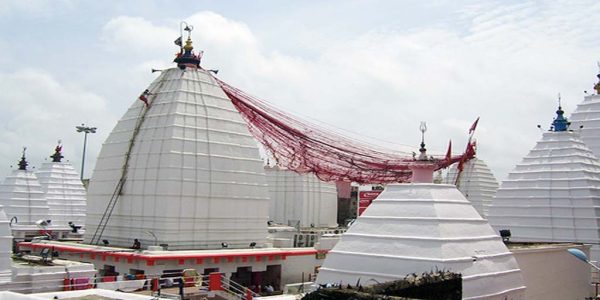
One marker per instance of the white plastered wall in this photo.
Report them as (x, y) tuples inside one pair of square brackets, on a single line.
[(301, 197)]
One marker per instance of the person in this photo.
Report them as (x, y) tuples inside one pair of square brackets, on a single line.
[(136, 244), (269, 289)]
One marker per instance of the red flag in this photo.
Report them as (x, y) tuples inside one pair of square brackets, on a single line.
[(449, 152), (472, 129), (144, 97)]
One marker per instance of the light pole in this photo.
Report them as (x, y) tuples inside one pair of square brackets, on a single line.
[(85, 130), (153, 235), (581, 256)]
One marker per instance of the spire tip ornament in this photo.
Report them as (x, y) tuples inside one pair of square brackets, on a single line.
[(423, 150), (23, 163), (560, 123), (186, 57), (57, 156)]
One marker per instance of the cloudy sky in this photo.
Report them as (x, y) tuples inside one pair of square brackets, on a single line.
[(374, 68)]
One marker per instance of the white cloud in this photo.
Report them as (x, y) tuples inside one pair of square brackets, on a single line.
[(135, 35), (33, 8), (505, 63), (36, 112)]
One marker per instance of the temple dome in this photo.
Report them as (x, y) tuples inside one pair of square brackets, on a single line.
[(22, 196), (419, 227), (64, 192), (553, 194), (477, 183), (301, 198), (193, 177)]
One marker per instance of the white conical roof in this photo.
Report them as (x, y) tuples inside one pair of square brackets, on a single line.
[(64, 191), (301, 197), (587, 114), (420, 227), (5, 248), (553, 194), (22, 197), (476, 182), (194, 177)]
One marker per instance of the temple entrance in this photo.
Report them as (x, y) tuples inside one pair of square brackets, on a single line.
[(272, 276), (243, 276)]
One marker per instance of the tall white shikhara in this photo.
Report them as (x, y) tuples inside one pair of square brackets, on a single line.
[(22, 196), (553, 194), (194, 175), (64, 192)]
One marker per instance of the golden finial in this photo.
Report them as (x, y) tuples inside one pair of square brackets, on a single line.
[(188, 45)]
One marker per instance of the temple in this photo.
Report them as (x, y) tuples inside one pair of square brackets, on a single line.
[(181, 170), (418, 227), (180, 194), (22, 196), (63, 189), (552, 194), (476, 182)]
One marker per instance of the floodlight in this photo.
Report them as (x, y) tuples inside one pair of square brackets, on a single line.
[(224, 245), (42, 223), (505, 234)]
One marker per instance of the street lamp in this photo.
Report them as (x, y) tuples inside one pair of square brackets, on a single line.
[(153, 235), (85, 130), (581, 256)]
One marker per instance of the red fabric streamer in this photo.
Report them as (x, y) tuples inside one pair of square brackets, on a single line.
[(306, 148)]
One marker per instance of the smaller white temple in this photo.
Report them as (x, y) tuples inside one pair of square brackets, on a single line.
[(420, 227), (476, 182), (22, 196), (64, 190), (301, 199), (554, 193)]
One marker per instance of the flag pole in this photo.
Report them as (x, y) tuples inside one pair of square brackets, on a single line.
[(181, 34), (464, 158)]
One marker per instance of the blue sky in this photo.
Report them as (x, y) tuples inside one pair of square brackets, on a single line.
[(376, 68)]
